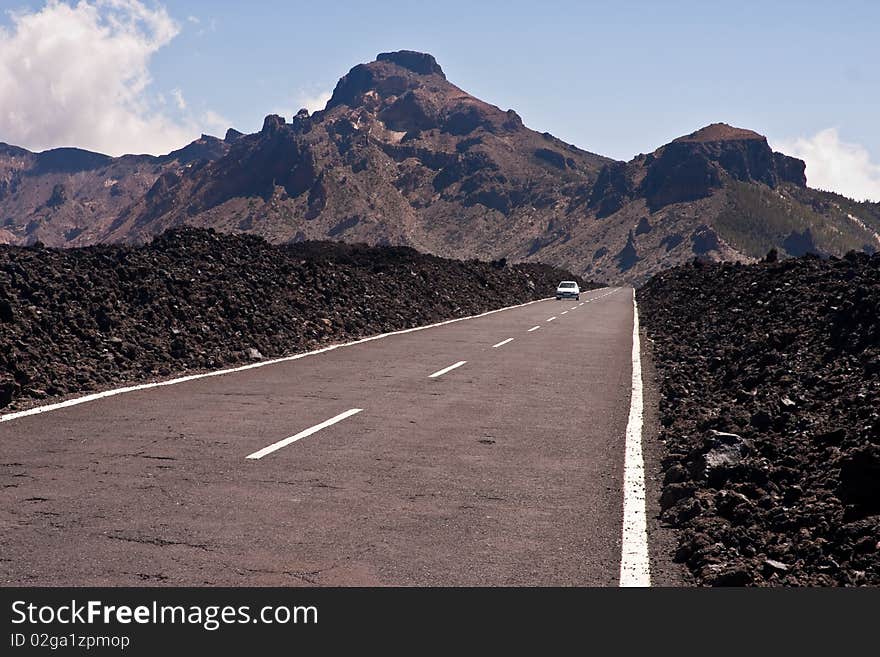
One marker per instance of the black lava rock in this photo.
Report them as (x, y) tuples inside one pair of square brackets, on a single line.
[(195, 300), (770, 407)]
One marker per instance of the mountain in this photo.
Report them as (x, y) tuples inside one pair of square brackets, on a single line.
[(400, 155), (63, 196), (720, 193)]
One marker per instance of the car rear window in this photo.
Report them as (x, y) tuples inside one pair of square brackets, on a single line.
[(566, 284)]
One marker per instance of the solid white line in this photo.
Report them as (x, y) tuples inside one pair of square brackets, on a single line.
[(551, 318), (635, 567), (446, 369), (192, 377), (534, 328), (302, 434), (502, 343)]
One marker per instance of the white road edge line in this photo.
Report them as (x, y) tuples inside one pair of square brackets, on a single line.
[(302, 434), (232, 370), (534, 328), (635, 566), (502, 343), (446, 369), (550, 319)]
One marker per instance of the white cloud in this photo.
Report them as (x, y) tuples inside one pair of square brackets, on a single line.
[(314, 103), (836, 165), (177, 95), (78, 75), (215, 124), (195, 20)]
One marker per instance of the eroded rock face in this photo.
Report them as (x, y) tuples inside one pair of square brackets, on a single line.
[(680, 173), (693, 166), (629, 255), (58, 197), (790, 169), (704, 240), (770, 412), (418, 62), (352, 86), (411, 112)]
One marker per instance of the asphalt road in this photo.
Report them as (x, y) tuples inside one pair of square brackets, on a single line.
[(505, 470)]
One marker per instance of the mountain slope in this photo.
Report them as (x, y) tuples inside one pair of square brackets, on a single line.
[(399, 155), (402, 156), (720, 193), (57, 195)]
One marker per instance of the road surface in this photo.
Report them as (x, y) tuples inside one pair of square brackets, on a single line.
[(488, 451)]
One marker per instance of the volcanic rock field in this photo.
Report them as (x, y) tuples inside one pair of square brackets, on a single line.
[(770, 414), (769, 374), (87, 319)]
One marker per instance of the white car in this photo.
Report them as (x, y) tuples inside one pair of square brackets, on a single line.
[(568, 290)]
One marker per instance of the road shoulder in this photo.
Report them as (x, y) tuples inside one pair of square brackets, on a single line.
[(662, 539)]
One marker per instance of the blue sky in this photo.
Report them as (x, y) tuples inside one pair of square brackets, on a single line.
[(617, 78)]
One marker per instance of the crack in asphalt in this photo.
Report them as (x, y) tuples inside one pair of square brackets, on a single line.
[(309, 577), (161, 542), (150, 456)]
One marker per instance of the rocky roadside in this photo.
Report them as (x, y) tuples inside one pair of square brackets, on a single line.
[(87, 319), (770, 414)]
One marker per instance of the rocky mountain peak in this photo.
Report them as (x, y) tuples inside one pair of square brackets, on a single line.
[(392, 74), (69, 160), (720, 132), (233, 135), (743, 154), (272, 123), (205, 147), (417, 62), (692, 167)]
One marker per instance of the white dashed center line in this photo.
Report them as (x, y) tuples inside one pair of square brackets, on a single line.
[(446, 369), (502, 343), (551, 318), (534, 328), (564, 312), (302, 434), (573, 308)]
